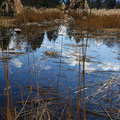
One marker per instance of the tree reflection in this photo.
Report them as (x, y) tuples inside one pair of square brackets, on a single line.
[(75, 32), (4, 38), (36, 41), (108, 39), (69, 31), (52, 35)]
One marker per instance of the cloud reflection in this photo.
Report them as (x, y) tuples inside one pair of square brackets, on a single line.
[(17, 63), (109, 66), (70, 54)]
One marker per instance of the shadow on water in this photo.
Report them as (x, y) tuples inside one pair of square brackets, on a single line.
[(62, 73)]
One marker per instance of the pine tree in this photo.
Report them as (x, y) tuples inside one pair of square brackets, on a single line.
[(98, 4), (111, 3)]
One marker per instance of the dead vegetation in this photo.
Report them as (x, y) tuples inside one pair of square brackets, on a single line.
[(98, 19), (51, 54), (38, 15), (106, 96), (32, 15)]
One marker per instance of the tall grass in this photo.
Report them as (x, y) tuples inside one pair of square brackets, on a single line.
[(38, 15), (99, 18)]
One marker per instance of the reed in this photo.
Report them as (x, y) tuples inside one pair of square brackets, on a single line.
[(99, 18), (38, 15), (69, 113), (6, 68)]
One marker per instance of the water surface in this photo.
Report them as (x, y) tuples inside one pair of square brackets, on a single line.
[(54, 56)]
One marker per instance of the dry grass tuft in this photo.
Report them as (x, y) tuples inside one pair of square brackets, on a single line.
[(38, 15)]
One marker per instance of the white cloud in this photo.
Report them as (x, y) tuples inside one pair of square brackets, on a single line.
[(17, 63)]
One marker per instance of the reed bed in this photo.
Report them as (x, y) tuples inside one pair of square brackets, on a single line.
[(38, 15), (105, 12), (99, 18)]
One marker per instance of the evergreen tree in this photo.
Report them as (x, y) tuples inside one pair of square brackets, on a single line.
[(111, 4), (40, 3), (98, 4)]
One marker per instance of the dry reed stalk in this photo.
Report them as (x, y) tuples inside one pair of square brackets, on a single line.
[(2, 114), (83, 77), (23, 14), (84, 59), (15, 112), (17, 115), (69, 113), (37, 85), (38, 15), (12, 113), (6, 67), (79, 73), (63, 111), (60, 63), (22, 101), (107, 113), (84, 50), (58, 73), (82, 83), (30, 79), (79, 87)]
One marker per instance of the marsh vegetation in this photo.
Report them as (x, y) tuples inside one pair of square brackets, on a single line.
[(64, 64)]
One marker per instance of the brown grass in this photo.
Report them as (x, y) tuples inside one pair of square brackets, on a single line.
[(38, 15), (30, 15), (99, 18)]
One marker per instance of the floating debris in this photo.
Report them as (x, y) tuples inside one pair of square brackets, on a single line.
[(51, 54)]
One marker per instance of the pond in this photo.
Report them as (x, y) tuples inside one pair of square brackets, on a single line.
[(54, 59)]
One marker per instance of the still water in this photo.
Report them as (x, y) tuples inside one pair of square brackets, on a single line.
[(52, 58)]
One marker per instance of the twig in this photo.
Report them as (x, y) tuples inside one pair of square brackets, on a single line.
[(107, 113), (23, 106)]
